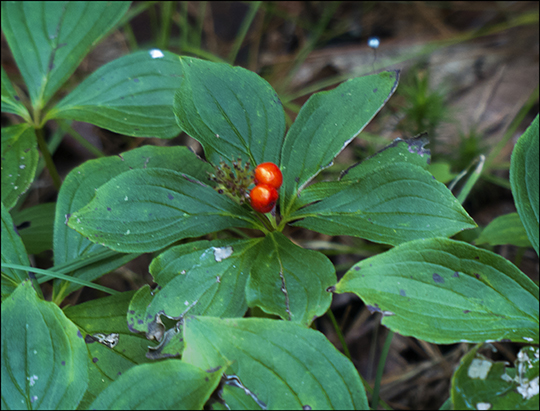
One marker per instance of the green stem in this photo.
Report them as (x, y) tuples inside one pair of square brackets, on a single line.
[(199, 27), (348, 354), (165, 29), (329, 10), (48, 159), (339, 334), (246, 23), (380, 369), (80, 139), (184, 41)]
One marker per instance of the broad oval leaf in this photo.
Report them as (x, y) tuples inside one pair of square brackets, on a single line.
[(524, 180), (19, 162), (283, 365), (480, 383), (391, 204), (326, 123), (506, 229), (165, 385), (80, 187), (13, 252), (290, 281), (445, 291), (43, 354), (200, 278), (231, 111), (49, 39), (147, 209), (132, 95)]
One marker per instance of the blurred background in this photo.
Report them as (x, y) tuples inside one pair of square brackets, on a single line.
[(469, 78)]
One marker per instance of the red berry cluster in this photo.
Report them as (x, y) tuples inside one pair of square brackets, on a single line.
[(268, 179)]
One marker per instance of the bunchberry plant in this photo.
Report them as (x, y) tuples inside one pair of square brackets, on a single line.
[(187, 343)]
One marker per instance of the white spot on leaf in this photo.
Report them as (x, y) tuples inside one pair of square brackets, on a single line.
[(32, 379), (479, 369), (156, 54), (221, 253)]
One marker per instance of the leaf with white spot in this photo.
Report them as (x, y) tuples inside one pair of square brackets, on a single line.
[(132, 95), (199, 278), (482, 384), (107, 316)]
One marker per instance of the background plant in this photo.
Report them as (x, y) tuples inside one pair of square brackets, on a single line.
[(215, 281)]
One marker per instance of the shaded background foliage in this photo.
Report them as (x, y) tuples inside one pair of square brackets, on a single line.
[(470, 79)]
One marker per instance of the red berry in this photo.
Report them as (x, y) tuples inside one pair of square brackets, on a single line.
[(263, 198), (268, 173)]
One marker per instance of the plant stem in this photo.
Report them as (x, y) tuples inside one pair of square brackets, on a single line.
[(165, 29), (380, 369), (339, 334), (246, 23)]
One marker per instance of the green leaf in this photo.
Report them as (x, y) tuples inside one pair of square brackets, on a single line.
[(390, 204), (19, 162), (289, 281), (145, 210), (209, 275), (231, 111), (506, 229), (43, 354), (166, 385), (524, 170), (35, 226), (132, 95), (11, 101), (13, 252), (409, 150), (327, 122), (480, 383), (283, 364), (107, 316), (400, 150), (49, 39), (445, 291), (80, 187), (199, 278)]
